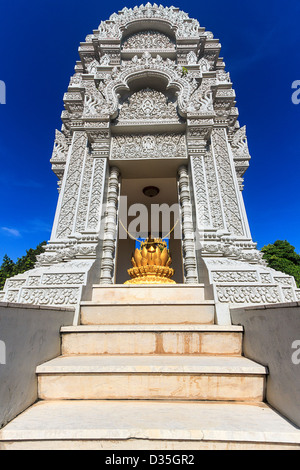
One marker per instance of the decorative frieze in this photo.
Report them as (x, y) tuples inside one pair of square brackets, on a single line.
[(14, 283), (63, 278), (285, 281), (60, 296), (148, 146), (234, 276), (265, 278), (146, 40), (12, 296), (34, 280), (248, 294), (297, 294)]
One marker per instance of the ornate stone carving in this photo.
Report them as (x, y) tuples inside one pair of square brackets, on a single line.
[(201, 103), (75, 80), (166, 69), (71, 186), (285, 281), (148, 40), (191, 58), (70, 250), (96, 196), (53, 296), (60, 153), (132, 147), (288, 294), (248, 294), (105, 59), (94, 103), (234, 276), (14, 283), (266, 278), (200, 191), (92, 67), (297, 294), (12, 296), (223, 77), (204, 65), (216, 210), (241, 156), (63, 278), (34, 280), (226, 182), (148, 104), (185, 27), (81, 213)]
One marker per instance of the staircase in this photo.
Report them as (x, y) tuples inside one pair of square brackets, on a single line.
[(147, 368)]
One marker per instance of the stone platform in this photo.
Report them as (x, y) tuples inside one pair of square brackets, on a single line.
[(126, 384), (144, 425)]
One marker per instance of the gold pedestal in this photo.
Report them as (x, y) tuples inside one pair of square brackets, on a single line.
[(151, 264)]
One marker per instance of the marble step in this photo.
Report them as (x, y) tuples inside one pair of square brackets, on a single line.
[(152, 377), (149, 425), (152, 339), (93, 313), (177, 293)]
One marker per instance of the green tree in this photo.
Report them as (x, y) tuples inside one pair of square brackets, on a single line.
[(281, 256), (6, 270), (28, 261), (9, 268)]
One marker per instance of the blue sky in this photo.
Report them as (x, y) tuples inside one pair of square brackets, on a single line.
[(39, 47)]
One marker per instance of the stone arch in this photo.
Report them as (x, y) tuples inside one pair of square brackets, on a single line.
[(165, 19), (138, 25), (166, 72)]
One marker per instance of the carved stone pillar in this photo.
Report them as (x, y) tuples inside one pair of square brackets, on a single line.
[(110, 229), (69, 196), (197, 137), (188, 238), (228, 185)]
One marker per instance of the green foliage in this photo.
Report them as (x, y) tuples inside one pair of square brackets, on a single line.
[(184, 71), (282, 256), (6, 270), (9, 268)]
